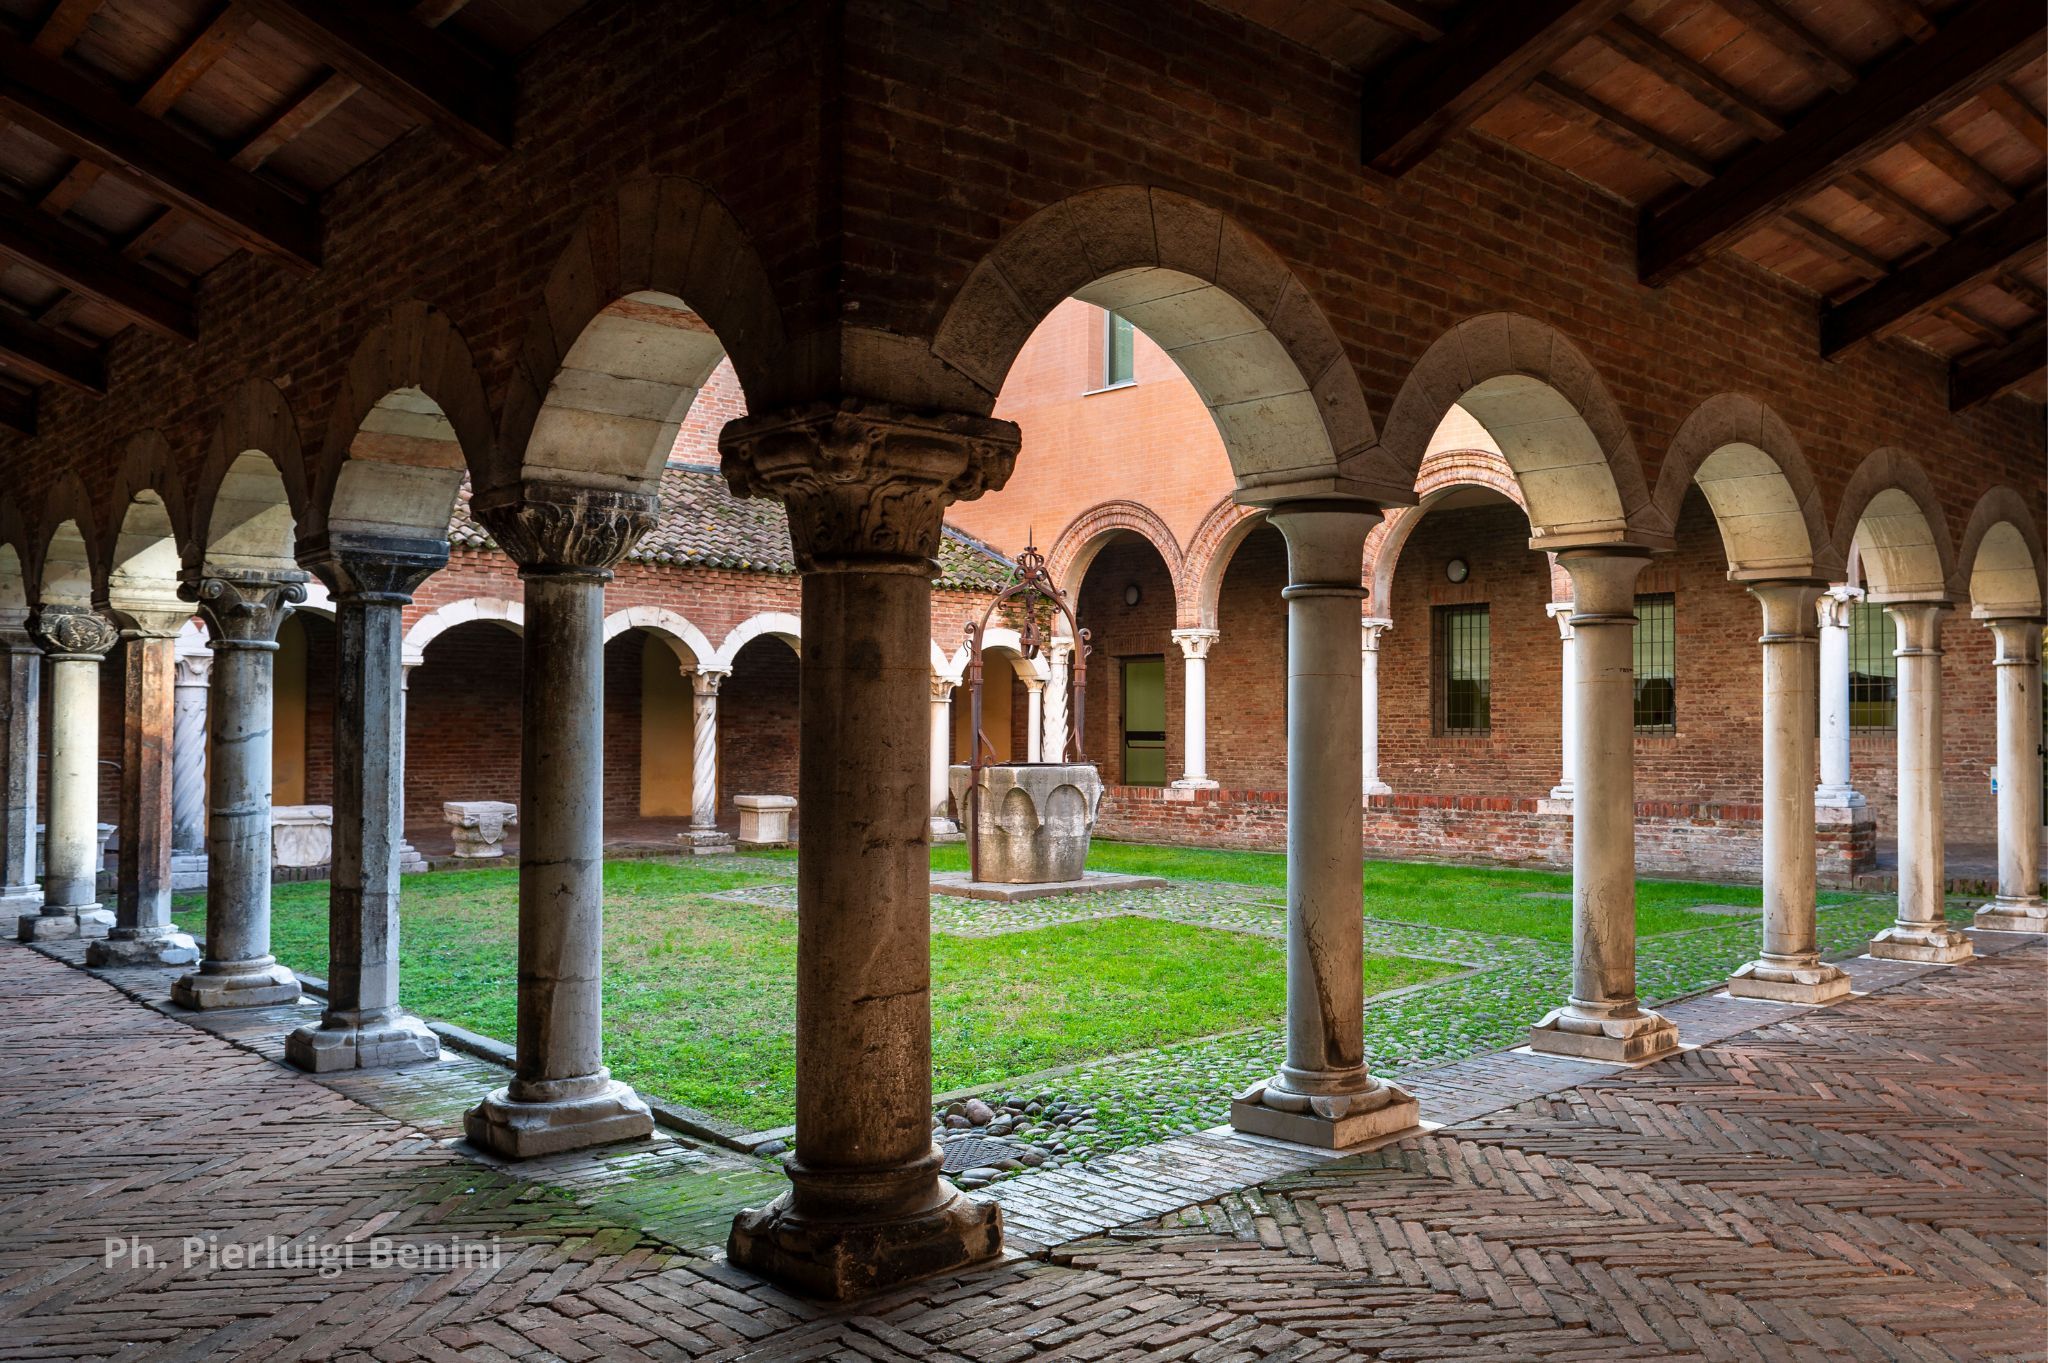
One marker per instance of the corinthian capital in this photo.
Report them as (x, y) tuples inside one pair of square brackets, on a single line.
[(556, 528), (66, 633), (866, 482), (244, 607)]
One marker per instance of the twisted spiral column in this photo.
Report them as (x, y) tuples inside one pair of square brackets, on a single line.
[(704, 684)]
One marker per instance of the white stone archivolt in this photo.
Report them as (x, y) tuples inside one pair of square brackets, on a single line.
[(429, 627), (691, 648), (776, 624)]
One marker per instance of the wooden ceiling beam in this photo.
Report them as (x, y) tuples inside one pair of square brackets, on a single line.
[(2019, 115), (1946, 157), (1404, 16), (420, 70), (92, 122), (86, 266), (1647, 50), (1880, 198), (1426, 95), (1794, 39), (18, 409), (1936, 278), (1981, 45), (1981, 378), (47, 356), (56, 34)]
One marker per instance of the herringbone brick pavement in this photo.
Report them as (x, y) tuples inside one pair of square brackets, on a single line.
[(1862, 1182)]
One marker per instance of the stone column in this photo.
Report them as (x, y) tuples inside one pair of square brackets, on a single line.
[(242, 610), (188, 747), (1194, 648), (1921, 932), (1369, 631), (565, 541), (143, 933), (2018, 907), (1324, 1095), (21, 674), (1835, 791), (704, 835), (1561, 612), (1059, 655), (865, 485), (1034, 719), (1790, 969), (1603, 1020), (942, 824), (74, 639), (362, 1027)]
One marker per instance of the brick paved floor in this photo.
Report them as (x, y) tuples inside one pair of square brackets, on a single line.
[(1862, 1182)]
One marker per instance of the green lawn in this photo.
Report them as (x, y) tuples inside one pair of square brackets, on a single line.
[(700, 992)]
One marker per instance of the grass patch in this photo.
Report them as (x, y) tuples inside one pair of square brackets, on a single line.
[(700, 993)]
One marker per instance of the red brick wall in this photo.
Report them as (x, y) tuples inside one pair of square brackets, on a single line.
[(622, 664), (321, 661), (1118, 631), (757, 725), (462, 721), (1969, 740), (1248, 668)]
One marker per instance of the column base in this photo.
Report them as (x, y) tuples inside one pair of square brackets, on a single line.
[(87, 920), (1617, 1038), (553, 1117), (1334, 1122), (16, 900), (709, 842), (261, 983), (157, 948), (945, 830), (1838, 797), (2005, 915), (393, 1040), (410, 862), (1199, 783), (1929, 943), (870, 1246), (1779, 982)]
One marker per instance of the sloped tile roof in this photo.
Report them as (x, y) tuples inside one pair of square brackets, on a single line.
[(702, 525)]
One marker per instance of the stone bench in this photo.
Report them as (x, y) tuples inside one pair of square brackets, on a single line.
[(301, 835), (479, 825), (765, 819)]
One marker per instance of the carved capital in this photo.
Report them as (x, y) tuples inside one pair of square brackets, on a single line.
[(244, 609), (1833, 606), (1370, 629), (705, 681), (1195, 643), (73, 633), (866, 483), (556, 528), (194, 669), (386, 569), (942, 690)]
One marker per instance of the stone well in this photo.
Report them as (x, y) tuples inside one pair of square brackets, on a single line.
[(1034, 818)]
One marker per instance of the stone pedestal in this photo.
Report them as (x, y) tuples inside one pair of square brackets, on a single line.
[(243, 609), (74, 639), (765, 820), (1603, 1019), (2017, 669), (1034, 821), (1790, 969), (478, 826), (1921, 932), (301, 835), (866, 486), (1324, 1095), (561, 1097)]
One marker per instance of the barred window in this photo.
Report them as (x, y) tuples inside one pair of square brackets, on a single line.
[(1119, 355), (1656, 664), (1461, 640), (1873, 671)]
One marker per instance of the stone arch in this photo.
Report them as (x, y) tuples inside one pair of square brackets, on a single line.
[(1209, 553), (1244, 329), (66, 547), (1756, 480), (780, 624), (251, 493), (1446, 466), (684, 639), (149, 530), (411, 418), (1003, 637), (1077, 545), (1891, 519), (436, 622), (1549, 413), (653, 288), (2005, 570), (945, 666), (15, 560)]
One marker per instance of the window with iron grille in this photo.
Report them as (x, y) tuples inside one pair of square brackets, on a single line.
[(1873, 671), (1461, 639), (1119, 351), (1656, 664)]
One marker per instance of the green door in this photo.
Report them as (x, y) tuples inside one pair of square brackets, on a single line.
[(1144, 692)]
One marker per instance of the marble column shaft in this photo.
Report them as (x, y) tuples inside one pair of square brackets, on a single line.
[(1921, 932), (1835, 610), (704, 684), (1059, 655), (1561, 612), (74, 639), (143, 933), (243, 610), (1603, 1019), (1194, 646), (1370, 632), (2017, 672), (1034, 719), (192, 689), (1790, 969), (941, 753), (21, 673)]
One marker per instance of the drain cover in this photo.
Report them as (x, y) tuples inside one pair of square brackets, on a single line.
[(973, 1154)]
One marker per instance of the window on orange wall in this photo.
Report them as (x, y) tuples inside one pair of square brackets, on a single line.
[(1461, 657), (1119, 351), (1656, 664)]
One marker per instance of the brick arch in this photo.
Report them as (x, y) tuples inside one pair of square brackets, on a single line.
[(410, 419), (2001, 559), (684, 639), (1250, 337), (1086, 535), (1891, 519), (251, 491), (1209, 552), (658, 280), (1757, 482), (149, 529), (1549, 412), (66, 544), (1384, 545), (431, 626)]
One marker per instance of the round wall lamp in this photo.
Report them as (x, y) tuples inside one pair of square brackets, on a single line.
[(1457, 570), (1132, 596)]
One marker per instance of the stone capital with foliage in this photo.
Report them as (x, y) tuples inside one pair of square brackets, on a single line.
[(386, 569), (559, 528), (68, 633), (866, 482), (244, 607)]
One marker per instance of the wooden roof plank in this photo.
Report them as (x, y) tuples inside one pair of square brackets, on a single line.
[(1404, 16), (92, 122), (1494, 48), (415, 67), (1651, 52), (323, 99), (49, 356), (1980, 45), (2018, 114), (1951, 161), (1936, 278), (97, 271), (56, 34), (1784, 32), (1981, 378), (208, 46)]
